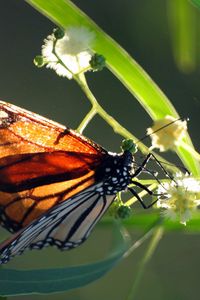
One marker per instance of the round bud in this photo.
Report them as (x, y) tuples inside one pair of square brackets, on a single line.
[(39, 61), (97, 62), (129, 145), (58, 33), (124, 212)]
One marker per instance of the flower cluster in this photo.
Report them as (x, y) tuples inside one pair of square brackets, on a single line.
[(181, 197), (70, 52), (167, 133)]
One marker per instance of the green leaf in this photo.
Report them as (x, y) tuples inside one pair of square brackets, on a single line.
[(64, 13), (143, 221), (18, 282), (196, 3), (183, 30)]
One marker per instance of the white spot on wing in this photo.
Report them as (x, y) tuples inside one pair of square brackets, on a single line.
[(3, 114)]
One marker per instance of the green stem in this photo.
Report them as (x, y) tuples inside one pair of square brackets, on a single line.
[(87, 119), (144, 237), (80, 78), (116, 126), (156, 237), (97, 108), (60, 61)]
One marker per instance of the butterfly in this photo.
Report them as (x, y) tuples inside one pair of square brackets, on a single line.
[(55, 184)]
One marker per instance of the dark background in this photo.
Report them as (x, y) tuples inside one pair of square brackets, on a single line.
[(142, 28)]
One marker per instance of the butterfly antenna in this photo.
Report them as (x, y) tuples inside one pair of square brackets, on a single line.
[(159, 162), (164, 126)]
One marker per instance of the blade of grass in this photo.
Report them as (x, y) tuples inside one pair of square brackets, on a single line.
[(142, 221), (46, 281), (196, 3), (183, 30)]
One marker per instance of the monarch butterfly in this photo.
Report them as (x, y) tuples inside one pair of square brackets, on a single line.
[(55, 184)]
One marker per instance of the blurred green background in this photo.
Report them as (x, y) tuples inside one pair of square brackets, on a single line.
[(148, 30)]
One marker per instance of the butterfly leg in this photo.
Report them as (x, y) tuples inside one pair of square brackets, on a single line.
[(161, 166), (141, 168), (140, 199), (143, 187)]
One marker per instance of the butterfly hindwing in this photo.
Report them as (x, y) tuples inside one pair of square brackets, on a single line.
[(66, 226)]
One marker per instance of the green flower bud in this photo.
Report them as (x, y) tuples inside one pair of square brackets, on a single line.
[(129, 145), (39, 61), (97, 62), (58, 33), (124, 212)]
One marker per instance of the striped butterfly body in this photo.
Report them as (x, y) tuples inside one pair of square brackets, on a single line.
[(54, 183)]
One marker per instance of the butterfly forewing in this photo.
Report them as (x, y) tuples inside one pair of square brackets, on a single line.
[(41, 164), (26, 171), (22, 131)]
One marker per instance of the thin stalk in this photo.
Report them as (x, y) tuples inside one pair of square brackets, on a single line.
[(90, 115), (97, 108), (78, 78), (116, 126), (156, 237), (144, 237), (60, 61)]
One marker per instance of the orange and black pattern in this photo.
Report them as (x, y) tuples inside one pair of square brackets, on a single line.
[(41, 164), (54, 183)]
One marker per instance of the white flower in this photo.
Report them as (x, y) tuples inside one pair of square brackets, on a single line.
[(74, 50), (169, 136), (181, 197)]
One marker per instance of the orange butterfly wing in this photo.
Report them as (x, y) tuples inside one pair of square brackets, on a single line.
[(41, 163), (22, 131)]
